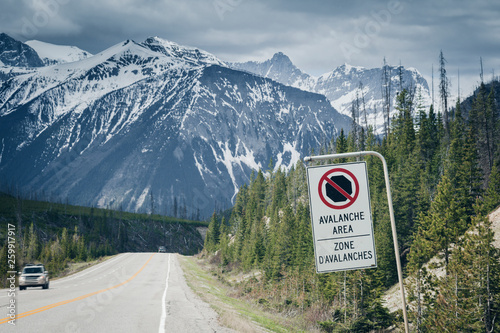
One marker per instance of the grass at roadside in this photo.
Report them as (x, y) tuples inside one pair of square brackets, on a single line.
[(234, 313)]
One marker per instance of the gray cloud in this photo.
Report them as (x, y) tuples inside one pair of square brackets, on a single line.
[(318, 35)]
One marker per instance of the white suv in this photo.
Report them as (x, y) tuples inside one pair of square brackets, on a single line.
[(34, 276)]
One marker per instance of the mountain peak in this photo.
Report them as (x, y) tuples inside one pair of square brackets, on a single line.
[(52, 54), (17, 54), (132, 122), (346, 68), (279, 68), (280, 56), (191, 55)]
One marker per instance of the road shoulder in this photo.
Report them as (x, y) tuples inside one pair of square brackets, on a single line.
[(234, 313)]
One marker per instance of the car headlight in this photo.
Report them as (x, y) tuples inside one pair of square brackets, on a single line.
[(22, 278)]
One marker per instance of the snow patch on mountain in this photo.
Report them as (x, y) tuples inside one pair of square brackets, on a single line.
[(288, 158), (52, 54), (148, 120), (345, 84), (188, 54), (91, 78)]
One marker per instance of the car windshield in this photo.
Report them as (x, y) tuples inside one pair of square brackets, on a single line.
[(31, 270)]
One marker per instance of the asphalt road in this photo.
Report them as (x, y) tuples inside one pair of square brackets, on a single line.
[(132, 292)]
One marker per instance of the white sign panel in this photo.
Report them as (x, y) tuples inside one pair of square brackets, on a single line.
[(341, 217)]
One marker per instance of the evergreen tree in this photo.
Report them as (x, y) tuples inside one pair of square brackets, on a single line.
[(488, 132), (81, 249), (341, 145), (480, 127), (436, 171), (303, 247), (420, 281), (492, 193), (468, 296), (402, 139), (444, 222), (212, 237), (462, 163), (405, 185), (33, 245), (4, 268), (64, 244), (427, 137), (225, 251)]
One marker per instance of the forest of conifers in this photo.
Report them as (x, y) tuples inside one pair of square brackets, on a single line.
[(445, 180), (57, 234)]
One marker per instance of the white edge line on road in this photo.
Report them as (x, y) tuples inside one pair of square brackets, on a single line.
[(90, 269), (163, 302)]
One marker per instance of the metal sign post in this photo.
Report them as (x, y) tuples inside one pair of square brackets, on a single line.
[(351, 199)]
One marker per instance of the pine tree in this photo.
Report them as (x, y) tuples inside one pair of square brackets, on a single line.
[(480, 127), (402, 138), (491, 119), (419, 286), (435, 176), (225, 250), (462, 163), (212, 237), (405, 185), (341, 145), (4, 268), (304, 254), (65, 244), (474, 271), (428, 141), (492, 193), (472, 174), (272, 266), (33, 245), (444, 222)]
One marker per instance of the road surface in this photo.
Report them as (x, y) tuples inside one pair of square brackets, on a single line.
[(132, 292)]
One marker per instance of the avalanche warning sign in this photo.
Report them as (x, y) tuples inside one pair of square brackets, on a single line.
[(341, 217)]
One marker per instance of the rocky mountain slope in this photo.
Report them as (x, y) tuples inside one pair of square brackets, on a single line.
[(152, 126), (17, 54), (345, 84), (52, 54)]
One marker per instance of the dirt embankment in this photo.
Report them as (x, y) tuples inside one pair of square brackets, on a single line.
[(495, 220), (392, 297)]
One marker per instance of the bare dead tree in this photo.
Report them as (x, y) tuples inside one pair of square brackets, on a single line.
[(444, 91), (386, 96)]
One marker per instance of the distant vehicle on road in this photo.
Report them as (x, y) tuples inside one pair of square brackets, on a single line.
[(34, 276), (162, 249)]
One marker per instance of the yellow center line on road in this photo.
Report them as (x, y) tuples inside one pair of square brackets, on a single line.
[(51, 306)]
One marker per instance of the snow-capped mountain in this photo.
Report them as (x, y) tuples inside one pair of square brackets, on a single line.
[(279, 68), (52, 54), (345, 83), (16, 58), (141, 125), (17, 54), (342, 85)]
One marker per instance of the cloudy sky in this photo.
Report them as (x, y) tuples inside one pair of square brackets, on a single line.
[(317, 35)]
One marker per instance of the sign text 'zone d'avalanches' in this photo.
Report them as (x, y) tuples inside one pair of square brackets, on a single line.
[(341, 217)]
